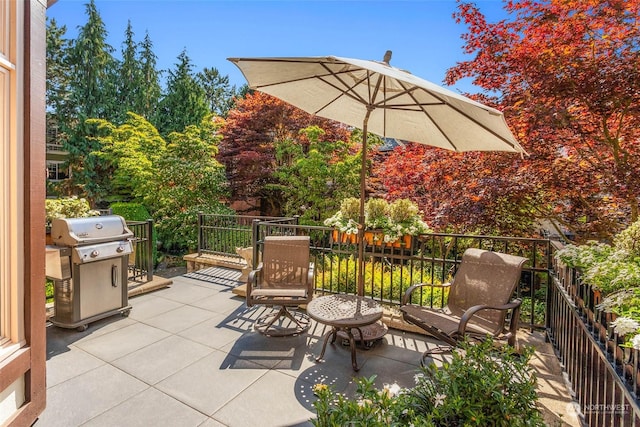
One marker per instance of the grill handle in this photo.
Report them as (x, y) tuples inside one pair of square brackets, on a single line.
[(95, 240), (114, 275)]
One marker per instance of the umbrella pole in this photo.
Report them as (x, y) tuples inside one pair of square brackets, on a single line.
[(363, 188)]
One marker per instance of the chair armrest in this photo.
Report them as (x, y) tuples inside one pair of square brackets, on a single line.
[(407, 294), (310, 278), (252, 279), (471, 311), (253, 274)]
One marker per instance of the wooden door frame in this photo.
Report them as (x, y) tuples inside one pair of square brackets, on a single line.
[(30, 360)]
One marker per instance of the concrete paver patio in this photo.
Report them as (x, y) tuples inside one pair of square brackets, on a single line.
[(187, 356)]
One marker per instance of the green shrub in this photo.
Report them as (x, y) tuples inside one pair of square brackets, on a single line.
[(337, 273), (69, 207), (130, 211), (628, 240), (583, 256), (607, 268), (178, 231), (482, 385), (48, 290), (376, 214), (382, 281)]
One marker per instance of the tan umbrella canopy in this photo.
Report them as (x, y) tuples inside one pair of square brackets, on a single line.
[(381, 99)]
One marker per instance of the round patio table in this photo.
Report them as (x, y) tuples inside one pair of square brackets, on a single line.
[(345, 313)]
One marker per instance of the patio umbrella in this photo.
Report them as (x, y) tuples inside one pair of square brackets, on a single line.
[(381, 99)]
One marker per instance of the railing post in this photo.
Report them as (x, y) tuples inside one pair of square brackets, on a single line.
[(254, 241), (150, 248), (199, 233), (549, 302)]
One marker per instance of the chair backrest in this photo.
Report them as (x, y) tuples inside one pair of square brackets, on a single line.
[(485, 277), (285, 262)]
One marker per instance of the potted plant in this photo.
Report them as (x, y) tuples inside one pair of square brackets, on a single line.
[(385, 223), (345, 221), (405, 220), (376, 220)]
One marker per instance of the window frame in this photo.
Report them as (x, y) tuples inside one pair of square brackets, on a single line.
[(12, 333)]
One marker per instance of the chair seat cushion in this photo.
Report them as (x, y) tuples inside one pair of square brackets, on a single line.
[(444, 320)]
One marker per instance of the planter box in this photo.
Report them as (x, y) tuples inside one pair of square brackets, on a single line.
[(376, 238), (338, 237)]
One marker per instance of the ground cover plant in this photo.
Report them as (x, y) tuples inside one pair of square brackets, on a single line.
[(482, 385)]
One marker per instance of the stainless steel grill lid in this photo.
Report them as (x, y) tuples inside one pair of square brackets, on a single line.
[(91, 230)]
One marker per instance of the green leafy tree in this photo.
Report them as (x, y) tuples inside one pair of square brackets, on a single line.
[(218, 92), (191, 180), (184, 103), (175, 179), (314, 177), (131, 152)]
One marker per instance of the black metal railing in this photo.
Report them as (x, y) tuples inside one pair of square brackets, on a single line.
[(604, 374), (431, 258), (222, 234), (141, 261)]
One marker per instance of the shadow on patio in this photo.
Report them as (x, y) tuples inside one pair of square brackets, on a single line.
[(187, 356)]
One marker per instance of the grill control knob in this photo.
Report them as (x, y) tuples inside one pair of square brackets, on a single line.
[(94, 253), (120, 249)]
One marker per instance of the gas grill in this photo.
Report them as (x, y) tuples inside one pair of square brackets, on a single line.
[(88, 263)]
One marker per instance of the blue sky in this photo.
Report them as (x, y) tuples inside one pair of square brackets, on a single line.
[(422, 34)]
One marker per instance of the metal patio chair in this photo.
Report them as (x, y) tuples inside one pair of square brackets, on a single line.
[(283, 279), (478, 302)]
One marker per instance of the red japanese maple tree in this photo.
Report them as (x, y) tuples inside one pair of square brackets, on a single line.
[(567, 76), (247, 148)]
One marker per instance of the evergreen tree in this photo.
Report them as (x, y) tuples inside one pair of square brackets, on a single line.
[(129, 83), (92, 95), (146, 103), (218, 92), (57, 91), (184, 103)]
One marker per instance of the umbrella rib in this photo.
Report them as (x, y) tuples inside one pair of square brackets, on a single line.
[(346, 90), (459, 111), (284, 82), (383, 101)]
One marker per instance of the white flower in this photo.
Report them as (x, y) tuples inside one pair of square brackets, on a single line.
[(439, 399), (392, 390), (418, 377), (364, 402), (614, 300), (635, 342), (625, 325)]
